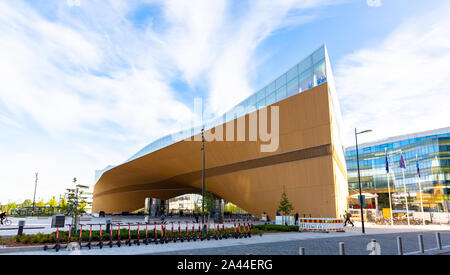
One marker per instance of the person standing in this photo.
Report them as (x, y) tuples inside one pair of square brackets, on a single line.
[(347, 218), (2, 217)]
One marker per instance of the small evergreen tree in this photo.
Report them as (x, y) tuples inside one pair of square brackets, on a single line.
[(285, 207)]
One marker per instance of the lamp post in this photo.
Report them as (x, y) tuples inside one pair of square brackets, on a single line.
[(203, 177), (361, 203), (34, 196)]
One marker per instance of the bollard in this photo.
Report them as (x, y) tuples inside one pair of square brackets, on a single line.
[(20, 229), (301, 251), (341, 248), (399, 246), (438, 240), (374, 247), (421, 248)]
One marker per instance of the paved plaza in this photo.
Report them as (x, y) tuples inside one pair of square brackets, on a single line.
[(289, 243)]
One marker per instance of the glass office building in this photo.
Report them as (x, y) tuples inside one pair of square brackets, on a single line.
[(430, 151)]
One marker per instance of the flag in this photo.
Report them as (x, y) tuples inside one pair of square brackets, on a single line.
[(418, 169), (387, 164), (402, 162)]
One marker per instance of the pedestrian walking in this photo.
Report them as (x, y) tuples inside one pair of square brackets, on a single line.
[(347, 218)]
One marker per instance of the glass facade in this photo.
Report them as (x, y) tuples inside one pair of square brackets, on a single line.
[(432, 151), (312, 71)]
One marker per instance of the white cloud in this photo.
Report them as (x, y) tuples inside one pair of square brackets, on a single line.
[(73, 3), (374, 3), (97, 88), (401, 85)]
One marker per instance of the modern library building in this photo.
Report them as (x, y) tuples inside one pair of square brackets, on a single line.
[(283, 138)]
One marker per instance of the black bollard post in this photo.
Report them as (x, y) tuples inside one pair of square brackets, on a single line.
[(20, 229)]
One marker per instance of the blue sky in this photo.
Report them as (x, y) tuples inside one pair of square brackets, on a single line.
[(85, 84)]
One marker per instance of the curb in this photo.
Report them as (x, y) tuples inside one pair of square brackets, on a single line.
[(21, 249)]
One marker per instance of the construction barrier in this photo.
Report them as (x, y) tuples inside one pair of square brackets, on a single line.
[(321, 224)]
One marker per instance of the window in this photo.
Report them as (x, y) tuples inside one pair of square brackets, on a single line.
[(305, 65), (271, 99), (281, 93), (270, 88), (281, 81), (306, 80), (292, 87), (292, 73), (320, 72), (318, 55)]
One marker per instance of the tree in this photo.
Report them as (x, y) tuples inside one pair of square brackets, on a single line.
[(74, 202), (40, 203), (63, 204), (52, 202), (285, 207), (209, 201), (27, 203)]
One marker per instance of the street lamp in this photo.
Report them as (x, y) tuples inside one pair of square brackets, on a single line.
[(361, 203), (34, 196), (203, 177)]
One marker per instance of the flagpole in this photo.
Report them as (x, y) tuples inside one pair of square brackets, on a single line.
[(420, 191), (404, 188), (389, 189)]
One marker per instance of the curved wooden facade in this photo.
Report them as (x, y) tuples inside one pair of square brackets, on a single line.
[(308, 165)]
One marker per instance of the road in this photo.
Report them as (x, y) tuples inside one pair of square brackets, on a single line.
[(285, 244)]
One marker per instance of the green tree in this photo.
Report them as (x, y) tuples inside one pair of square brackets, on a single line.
[(209, 201), (63, 204), (74, 202), (285, 207), (52, 202), (40, 203), (27, 203)]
